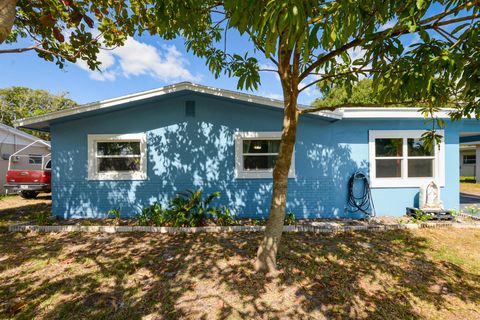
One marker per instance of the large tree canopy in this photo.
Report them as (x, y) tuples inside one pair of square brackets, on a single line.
[(361, 93), (65, 30), (311, 43), (21, 102)]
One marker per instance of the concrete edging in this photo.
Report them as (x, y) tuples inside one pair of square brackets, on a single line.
[(218, 229)]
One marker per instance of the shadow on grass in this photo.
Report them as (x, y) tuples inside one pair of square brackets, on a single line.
[(94, 276), (14, 209)]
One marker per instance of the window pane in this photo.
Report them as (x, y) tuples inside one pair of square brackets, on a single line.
[(388, 147), (416, 148), (469, 159), (261, 146), (34, 159), (258, 162), (118, 164), (118, 148), (389, 168), (420, 168)]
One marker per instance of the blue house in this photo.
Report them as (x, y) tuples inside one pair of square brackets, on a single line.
[(130, 151)]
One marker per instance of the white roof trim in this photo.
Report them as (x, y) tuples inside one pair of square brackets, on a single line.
[(19, 132), (162, 91), (388, 113)]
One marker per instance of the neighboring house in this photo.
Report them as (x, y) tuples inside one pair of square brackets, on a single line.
[(468, 160), (11, 140), (130, 151)]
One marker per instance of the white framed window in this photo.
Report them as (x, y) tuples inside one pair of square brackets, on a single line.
[(256, 153), (398, 159), (469, 159), (117, 156)]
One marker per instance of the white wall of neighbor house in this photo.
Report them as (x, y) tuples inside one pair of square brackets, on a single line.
[(477, 172)]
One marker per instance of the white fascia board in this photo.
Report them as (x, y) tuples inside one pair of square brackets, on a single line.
[(388, 113), (162, 91)]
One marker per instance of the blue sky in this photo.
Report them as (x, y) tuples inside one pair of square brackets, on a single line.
[(143, 63)]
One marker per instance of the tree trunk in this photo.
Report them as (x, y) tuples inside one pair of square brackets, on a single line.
[(267, 252), (7, 16)]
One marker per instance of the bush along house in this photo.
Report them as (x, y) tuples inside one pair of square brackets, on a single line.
[(131, 151)]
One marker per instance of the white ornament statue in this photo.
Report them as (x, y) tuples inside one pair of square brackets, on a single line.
[(429, 199)]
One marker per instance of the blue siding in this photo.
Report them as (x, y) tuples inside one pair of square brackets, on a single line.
[(190, 153)]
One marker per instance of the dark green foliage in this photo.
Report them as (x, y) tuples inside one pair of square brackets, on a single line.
[(419, 216), (290, 219), (187, 209), (223, 217)]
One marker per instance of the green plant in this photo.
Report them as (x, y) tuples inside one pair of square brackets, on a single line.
[(42, 218), (473, 209), (223, 217), (152, 215), (290, 219), (115, 213), (189, 209), (419, 216)]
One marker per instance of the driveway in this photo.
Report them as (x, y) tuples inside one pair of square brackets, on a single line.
[(467, 200)]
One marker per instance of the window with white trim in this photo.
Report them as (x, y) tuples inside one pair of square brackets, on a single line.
[(469, 159), (398, 158), (256, 153), (117, 157)]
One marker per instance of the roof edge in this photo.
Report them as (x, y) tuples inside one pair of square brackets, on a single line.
[(20, 132), (162, 91)]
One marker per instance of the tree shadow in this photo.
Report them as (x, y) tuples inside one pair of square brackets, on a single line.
[(204, 276)]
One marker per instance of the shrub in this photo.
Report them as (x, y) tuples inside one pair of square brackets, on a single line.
[(187, 209), (152, 215), (419, 216), (115, 213), (223, 217), (290, 219)]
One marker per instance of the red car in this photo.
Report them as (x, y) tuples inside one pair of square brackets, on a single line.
[(29, 170), (29, 182)]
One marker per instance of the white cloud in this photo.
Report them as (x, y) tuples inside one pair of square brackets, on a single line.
[(137, 58)]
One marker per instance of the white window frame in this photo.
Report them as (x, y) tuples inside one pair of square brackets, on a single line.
[(404, 181), (240, 173), (93, 174)]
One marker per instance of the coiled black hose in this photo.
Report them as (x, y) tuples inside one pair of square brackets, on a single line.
[(362, 203)]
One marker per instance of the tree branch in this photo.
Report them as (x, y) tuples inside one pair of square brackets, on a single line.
[(376, 36), (20, 50)]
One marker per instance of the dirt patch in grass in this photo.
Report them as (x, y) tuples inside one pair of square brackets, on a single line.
[(401, 274), (15, 209)]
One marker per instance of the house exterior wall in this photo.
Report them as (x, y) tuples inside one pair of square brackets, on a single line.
[(198, 152)]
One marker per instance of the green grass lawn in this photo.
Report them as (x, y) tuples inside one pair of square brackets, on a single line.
[(431, 274)]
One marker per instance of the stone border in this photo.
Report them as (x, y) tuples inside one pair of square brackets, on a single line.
[(289, 228)]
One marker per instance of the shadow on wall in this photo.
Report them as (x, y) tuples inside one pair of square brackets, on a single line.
[(200, 155)]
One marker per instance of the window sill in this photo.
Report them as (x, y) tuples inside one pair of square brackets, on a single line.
[(403, 183), (116, 177)]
